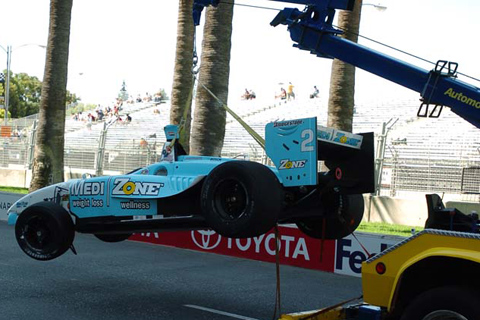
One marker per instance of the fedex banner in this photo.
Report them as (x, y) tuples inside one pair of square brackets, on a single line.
[(295, 248)]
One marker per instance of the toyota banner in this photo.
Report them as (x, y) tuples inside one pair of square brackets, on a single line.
[(342, 256)]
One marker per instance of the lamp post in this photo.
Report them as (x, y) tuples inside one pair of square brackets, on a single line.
[(8, 51)]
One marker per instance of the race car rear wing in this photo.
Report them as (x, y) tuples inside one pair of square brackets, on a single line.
[(297, 146)]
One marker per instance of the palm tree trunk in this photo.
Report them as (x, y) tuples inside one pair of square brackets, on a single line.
[(342, 82), (182, 77), (208, 130), (49, 147)]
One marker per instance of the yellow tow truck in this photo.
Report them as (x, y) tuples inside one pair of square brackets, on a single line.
[(432, 275), (435, 274)]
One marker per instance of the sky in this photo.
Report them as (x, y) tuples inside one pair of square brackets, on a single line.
[(113, 41)]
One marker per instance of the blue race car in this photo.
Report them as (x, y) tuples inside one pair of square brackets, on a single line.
[(235, 198)]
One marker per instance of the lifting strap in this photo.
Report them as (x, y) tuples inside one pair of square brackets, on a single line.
[(249, 129), (278, 305)]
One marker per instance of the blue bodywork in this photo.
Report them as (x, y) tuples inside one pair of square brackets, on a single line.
[(137, 193), (173, 186)]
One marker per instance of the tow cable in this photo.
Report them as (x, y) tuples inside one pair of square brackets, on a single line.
[(278, 305)]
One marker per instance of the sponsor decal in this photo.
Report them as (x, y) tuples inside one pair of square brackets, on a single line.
[(87, 203), (325, 135), (137, 205), (342, 138), (287, 123), (349, 255), (291, 164), (295, 248), (124, 186), (59, 194), (462, 98), (85, 188), (206, 239), (22, 204)]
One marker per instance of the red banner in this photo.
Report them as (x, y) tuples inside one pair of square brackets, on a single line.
[(296, 249)]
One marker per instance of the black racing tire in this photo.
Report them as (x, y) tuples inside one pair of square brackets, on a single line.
[(241, 199), (448, 302), (44, 231), (343, 215), (112, 238)]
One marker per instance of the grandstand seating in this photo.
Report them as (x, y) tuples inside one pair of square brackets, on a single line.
[(422, 153)]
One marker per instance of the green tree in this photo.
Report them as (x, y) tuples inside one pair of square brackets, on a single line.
[(182, 77), (25, 94), (208, 129), (49, 147), (342, 80)]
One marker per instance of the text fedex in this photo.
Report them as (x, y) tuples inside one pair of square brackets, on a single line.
[(349, 255)]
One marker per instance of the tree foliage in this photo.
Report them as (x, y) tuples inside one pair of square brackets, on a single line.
[(25, 95)]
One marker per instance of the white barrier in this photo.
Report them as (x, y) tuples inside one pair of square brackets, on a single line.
[(6, 200)]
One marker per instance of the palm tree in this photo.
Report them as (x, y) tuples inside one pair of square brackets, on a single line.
[(342, 81), (182, 78), (49, 146), (208, 129)]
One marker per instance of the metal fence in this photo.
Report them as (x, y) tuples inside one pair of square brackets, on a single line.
[(426, 160)]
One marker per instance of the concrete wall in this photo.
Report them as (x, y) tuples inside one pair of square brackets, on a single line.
[(409, 212), (465, 207), (14, 178)]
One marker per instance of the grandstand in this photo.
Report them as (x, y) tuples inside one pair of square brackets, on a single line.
[(427, 155)]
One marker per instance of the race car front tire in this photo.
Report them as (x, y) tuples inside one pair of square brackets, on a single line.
[(241, 199), (44, 231)]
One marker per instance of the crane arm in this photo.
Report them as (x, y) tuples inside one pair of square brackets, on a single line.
[(312, 30)]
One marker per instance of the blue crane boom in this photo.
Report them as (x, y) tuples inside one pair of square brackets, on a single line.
[(312, 30)]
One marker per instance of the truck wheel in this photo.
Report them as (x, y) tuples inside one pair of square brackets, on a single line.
[(113, 237), (241, 199), (44, 231), (449, 302), (343, 215)]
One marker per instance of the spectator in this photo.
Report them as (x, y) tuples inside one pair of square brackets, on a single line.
[(248, 95), (315, 93), (282, 95), (290, 93), (128, 119)]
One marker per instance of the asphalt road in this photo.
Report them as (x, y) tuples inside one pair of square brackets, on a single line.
[(132, 280)]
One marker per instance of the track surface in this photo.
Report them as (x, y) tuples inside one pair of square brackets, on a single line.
[(132, 280)]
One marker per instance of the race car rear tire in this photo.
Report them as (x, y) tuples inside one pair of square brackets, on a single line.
[(44, 231), (344, 214), (241, 199), (112, 238), (448, 302)]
